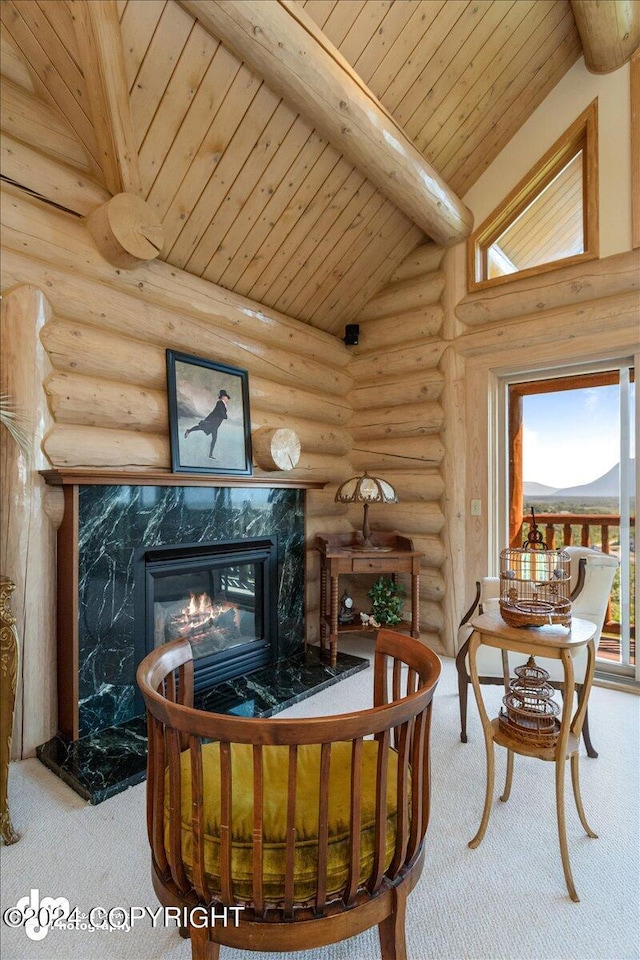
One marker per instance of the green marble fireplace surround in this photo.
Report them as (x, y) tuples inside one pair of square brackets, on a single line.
[(107, 531)]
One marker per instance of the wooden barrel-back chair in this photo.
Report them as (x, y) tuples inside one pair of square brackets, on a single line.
[(314, 828)]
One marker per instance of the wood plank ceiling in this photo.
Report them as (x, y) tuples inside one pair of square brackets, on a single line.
[(250, 196)]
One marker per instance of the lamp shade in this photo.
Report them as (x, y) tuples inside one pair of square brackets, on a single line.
[(366, 490)]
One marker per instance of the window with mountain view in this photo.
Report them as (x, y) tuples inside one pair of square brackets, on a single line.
[(549, 220), (571, 459)]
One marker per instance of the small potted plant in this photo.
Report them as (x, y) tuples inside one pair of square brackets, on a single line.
[(387, 601)]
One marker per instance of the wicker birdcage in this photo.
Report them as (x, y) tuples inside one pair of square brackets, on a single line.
[(530, 713), (535, 583)]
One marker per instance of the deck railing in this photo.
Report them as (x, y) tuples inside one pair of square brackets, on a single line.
[(586, 530)]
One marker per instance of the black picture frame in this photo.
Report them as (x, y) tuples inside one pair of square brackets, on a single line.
[(202, 439)]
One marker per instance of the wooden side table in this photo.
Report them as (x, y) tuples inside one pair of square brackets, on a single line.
[(339, 553), (556, 643)]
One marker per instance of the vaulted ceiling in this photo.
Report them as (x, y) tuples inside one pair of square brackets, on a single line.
[(250, 195)]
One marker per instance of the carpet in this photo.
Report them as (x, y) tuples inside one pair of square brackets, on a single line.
[(504, 901)]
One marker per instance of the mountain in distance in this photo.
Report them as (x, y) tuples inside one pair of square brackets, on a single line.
[(605, 486), (533, 489)]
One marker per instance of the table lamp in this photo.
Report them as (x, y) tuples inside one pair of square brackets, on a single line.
[(366, 490)]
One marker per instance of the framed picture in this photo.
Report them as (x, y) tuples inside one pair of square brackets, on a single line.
[(209, 416)]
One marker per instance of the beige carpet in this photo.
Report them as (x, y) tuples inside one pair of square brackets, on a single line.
[(504, 901)]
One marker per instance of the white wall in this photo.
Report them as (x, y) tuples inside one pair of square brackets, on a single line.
[(566, 101)]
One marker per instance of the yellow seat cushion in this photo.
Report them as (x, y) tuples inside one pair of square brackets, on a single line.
[(275, 777)]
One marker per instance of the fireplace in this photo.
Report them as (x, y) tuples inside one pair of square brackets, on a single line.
[(140, 562), (220, 596)]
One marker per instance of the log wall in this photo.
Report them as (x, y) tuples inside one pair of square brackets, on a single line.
[(398, 420), (102, 384), (411, 401), (426, 376), (561, 320)]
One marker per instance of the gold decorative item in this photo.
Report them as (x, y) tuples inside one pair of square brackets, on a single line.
[(529, 709), (8, 684), (366, 490), (535, 583)]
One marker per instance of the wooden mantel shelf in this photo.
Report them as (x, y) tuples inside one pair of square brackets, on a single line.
[(164, 478)]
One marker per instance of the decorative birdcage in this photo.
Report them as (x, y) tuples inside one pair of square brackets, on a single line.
[(530, 713), (535, 583)]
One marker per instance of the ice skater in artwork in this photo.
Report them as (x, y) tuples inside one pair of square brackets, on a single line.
[(211, 423)]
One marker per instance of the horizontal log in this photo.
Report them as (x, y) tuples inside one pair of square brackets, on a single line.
[(407, 359), (390, 331), (397, 390), (318, 466), (280, 398), (424, 517), (313, 564), (89, 401), (312, 599), (97, 402), (312, 630), (403, 297), (424, 259), (78, 348), (432, 585), (69, 445), (568, 286), (431, 546), (316, 525), (415, 485), (321, 503), (314, 437), (431, 616), (62, 241), (283, 46), (81, 299), (413, 420), (375, 455), (49, 178), (583, 322), (433, 641), (111, 363), (609, 32), (27, 118)]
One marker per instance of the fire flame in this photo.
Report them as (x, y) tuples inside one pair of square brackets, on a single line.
[(201, 608), (198, 605)]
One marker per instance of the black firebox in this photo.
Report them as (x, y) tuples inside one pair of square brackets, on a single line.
[(220, 596)]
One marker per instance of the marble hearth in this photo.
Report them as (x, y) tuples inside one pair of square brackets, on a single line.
[(101, 744), (103, 764)]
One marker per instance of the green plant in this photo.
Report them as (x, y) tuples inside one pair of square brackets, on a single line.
[(386, 601)]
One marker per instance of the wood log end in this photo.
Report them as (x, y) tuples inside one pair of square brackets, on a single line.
[(126, 231)]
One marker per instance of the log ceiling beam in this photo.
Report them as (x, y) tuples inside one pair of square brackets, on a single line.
[(281, 44), (609, 31), (102, 61)]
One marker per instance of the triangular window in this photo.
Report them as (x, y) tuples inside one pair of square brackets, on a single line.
[(550, 219)]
